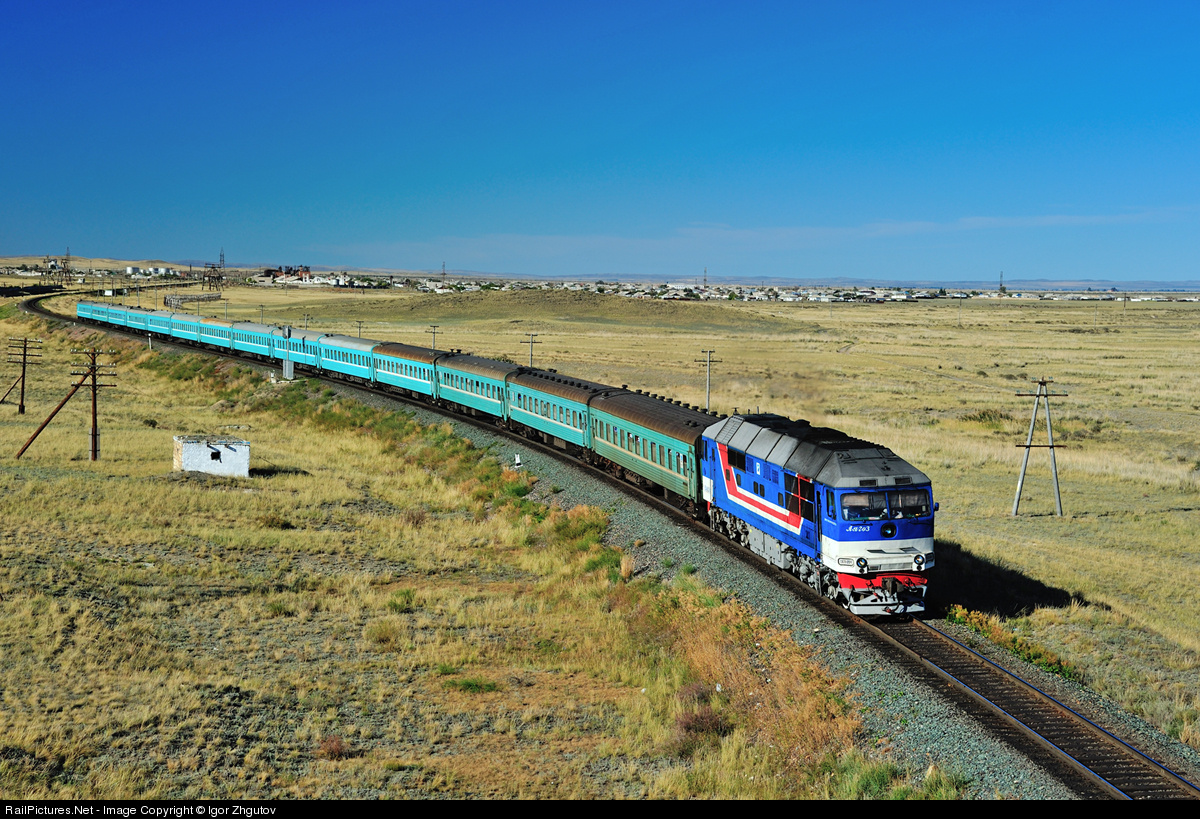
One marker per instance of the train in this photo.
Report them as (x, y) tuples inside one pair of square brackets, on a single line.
[(850, 518)]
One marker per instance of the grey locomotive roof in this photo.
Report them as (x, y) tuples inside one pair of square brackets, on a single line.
[(679, 422), (563, 386), (818, 453), (361, 345), (408, 352), (478, 365)]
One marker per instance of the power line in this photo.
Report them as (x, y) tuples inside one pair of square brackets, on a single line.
[(19, 350), (85, 370)]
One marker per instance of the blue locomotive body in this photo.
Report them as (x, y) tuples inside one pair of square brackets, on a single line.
[(852, 519)]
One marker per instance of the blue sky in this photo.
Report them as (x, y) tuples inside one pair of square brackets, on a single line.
[(879, 140)]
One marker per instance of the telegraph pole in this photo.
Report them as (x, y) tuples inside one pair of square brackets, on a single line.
[(360, 324), (85, 370), (19, 349), (433, 328), (1043, 391), (531, 342), (707, 361)]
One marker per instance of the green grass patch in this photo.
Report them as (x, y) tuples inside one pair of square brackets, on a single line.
[(991, 627), (402, 601), (473, 685)]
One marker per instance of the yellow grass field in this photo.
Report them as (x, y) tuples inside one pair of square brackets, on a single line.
[(380, 611), (936, 381)]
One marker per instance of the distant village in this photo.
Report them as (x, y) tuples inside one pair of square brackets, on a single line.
[(302, 276)]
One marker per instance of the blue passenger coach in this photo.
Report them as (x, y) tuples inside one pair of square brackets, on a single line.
[(474, 383), (348, 355), (406, 367), (553, 406)]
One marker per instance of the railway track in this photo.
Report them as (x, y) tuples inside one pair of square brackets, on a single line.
[(1084, 756), (1110, 765)]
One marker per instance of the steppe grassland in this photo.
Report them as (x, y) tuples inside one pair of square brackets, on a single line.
[(936, 382), (380, 610)]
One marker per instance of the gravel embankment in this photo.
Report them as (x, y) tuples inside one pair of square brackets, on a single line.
[(903, 719)]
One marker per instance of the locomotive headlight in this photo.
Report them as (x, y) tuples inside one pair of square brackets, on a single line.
[(862, 564), (919, 562)]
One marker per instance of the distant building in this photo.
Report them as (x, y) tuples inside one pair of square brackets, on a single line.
[(213, 456)]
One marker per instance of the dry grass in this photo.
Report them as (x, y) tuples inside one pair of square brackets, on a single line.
[(377, 611), (936, 382)]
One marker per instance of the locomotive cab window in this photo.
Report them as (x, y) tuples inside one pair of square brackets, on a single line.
[(864, 506), (908, 503)]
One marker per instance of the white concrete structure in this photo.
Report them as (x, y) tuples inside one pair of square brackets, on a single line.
[(214, 456)]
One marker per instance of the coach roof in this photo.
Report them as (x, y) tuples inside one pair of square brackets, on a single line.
[(658, 414), (561, 386), (408, 352), (359, 345), (478, 365)]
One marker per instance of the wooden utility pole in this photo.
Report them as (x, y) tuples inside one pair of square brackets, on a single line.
[(20, 351), (708, 361), (88, 369), (1043, 391), (531, 342)]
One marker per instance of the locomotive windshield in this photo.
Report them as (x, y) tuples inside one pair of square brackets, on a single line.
[(906, 503), (864, 506), (909, 503)]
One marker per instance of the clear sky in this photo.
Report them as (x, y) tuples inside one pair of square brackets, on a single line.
[(882, 140)]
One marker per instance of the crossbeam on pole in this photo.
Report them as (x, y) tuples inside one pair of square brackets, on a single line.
[(1043, 391)]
